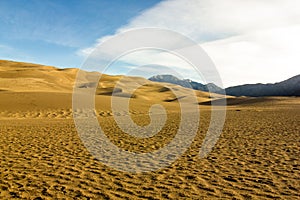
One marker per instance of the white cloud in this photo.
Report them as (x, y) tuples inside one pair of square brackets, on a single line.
[(205, 19), (250, 41), (154, 59), (263, 56)]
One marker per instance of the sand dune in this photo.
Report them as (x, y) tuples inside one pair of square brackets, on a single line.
[(34, 91), (42, 156), (24, 77)]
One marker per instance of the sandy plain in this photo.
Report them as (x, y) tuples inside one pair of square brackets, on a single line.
[(42, 156)]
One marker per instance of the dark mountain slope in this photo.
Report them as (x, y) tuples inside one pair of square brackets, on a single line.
[(289, 87)]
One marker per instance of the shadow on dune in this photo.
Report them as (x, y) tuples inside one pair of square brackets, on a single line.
[(238, 101)]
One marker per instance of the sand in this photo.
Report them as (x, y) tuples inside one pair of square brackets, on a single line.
[(42, 156)]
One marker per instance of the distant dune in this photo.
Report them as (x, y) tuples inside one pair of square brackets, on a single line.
[(29, 90), (31, 87), (26, 86)]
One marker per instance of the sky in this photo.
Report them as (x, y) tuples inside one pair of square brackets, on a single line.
[(52, 32), (249, 41)]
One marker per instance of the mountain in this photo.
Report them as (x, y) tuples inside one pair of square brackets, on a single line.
[(186, 83), (289, 87)]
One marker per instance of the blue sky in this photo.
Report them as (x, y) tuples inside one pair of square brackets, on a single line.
[(52, 31), (249, 41)]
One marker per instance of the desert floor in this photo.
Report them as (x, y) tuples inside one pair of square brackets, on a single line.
[(42, 156), (256, 157)]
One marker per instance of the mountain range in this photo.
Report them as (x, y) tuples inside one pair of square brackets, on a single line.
[(289, 87), (187, 83)]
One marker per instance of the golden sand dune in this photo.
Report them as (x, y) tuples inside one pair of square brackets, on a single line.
[(35, 91), (24, 77), (42, 156), (27, 77)]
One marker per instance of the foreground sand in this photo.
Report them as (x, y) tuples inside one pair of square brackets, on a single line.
[(255, 158), (42, 156)]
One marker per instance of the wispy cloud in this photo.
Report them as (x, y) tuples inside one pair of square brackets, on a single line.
[(250, 41), (5, 48), (153, 62), (10, 53)]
